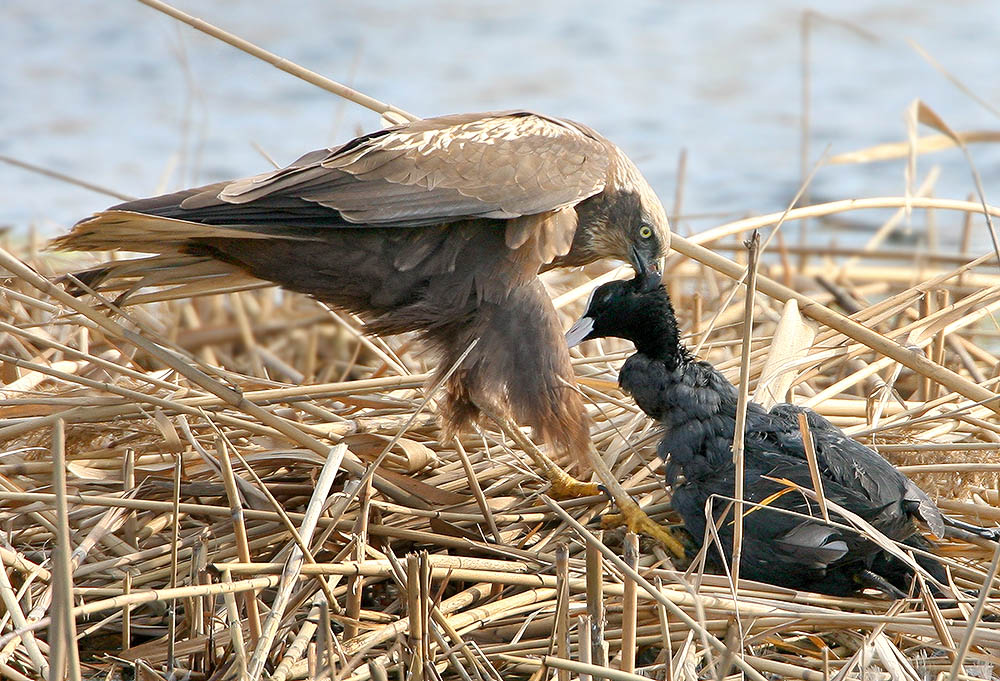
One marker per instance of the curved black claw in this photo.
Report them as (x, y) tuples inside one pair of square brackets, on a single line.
[(987, 533), (869, 578), (606, 492)]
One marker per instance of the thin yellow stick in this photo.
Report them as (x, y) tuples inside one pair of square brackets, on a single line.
[(285, 65)]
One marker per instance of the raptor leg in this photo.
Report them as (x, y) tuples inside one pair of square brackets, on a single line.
[(566, 486)]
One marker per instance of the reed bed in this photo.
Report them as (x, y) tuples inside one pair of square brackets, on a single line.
[(242, 485)]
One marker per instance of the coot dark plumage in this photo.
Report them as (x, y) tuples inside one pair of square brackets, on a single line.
[(697, 407)]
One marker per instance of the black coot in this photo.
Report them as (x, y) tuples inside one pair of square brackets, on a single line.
[(697, 407)]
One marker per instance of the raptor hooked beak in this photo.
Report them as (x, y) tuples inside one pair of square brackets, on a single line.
[(579, 331), (646, 272)]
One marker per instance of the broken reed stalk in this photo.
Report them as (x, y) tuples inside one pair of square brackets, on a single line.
[(355, 583), (561, 633), (174, 546), (239, 534), (817, 480), (414, 608), (667, 653), (742, 398), (629, 605), (293, 566), (585, 643), (595, 601), (65, 661)]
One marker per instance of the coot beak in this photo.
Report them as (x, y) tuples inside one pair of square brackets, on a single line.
[(579, 331)]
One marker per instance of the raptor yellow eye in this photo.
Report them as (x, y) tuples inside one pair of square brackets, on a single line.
[(645, 232)]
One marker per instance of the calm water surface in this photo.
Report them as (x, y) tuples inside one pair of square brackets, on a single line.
[(115, 93)]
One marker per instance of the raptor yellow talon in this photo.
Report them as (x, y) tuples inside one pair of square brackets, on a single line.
[(565, 486), (635, 519)]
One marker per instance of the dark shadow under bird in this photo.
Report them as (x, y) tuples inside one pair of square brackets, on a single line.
[(439, 226), (696, 405)]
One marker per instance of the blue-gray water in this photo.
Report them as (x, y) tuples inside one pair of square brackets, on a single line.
[(122, 96)]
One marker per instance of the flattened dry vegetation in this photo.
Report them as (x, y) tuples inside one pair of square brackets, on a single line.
[(212, 524)]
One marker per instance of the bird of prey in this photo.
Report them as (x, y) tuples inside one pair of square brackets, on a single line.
[(439, 226)]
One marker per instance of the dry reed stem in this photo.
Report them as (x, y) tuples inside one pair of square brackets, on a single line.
[(742, 398), (290, 574), (63, 177), (240, 535), (629, 605), (65, 662), (283, 64)]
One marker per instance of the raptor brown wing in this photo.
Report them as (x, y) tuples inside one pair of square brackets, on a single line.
[(502, 165), (434, 171)]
